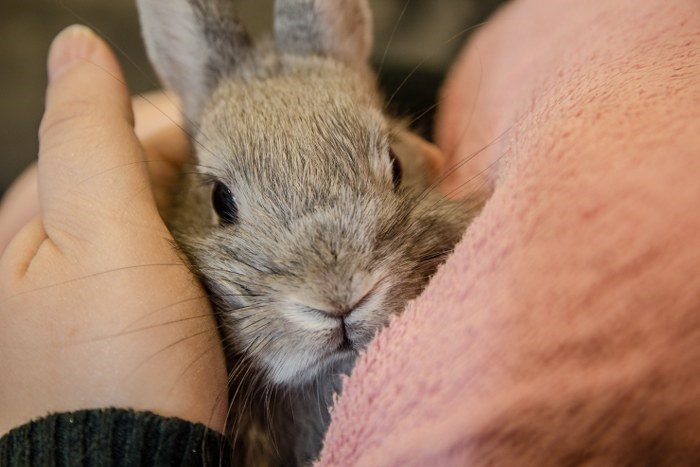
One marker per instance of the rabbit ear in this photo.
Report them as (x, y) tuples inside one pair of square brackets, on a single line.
[(192, 44), (337, 28)]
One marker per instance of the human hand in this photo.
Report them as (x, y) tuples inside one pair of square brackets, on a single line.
[(97, 308)]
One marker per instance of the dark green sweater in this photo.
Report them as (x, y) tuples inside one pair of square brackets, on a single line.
[(113, 437)]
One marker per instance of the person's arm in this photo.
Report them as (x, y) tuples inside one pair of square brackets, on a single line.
[(564, 329), (97, 309)]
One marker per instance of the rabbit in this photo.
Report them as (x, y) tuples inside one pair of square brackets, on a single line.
[(310, 216)]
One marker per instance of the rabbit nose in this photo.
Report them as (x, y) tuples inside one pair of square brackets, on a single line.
[(341, 313)]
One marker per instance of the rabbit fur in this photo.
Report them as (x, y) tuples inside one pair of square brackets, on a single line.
[(326, 244)]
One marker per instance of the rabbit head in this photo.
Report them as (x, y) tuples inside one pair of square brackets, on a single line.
[(309, 217)]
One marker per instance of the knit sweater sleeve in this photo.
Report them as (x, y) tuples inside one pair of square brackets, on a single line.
[(107, 437)]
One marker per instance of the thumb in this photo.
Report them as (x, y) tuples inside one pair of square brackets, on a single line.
[(92, 175)]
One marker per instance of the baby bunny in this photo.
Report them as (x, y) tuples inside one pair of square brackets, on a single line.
[(311, 216)]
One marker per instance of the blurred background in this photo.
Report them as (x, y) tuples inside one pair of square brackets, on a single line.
[(427, 35)]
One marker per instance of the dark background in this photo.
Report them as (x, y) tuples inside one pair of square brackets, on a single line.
[(27, 27)]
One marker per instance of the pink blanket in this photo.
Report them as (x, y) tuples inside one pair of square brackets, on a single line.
[(566, 326)]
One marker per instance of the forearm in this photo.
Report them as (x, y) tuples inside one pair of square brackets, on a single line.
[(564, 328)]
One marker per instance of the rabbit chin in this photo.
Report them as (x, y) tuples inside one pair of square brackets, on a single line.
[(299, 367)]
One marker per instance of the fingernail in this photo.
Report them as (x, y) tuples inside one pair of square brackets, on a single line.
[(73, 45)]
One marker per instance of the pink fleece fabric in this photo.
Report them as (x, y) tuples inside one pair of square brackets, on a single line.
[(566, 326)]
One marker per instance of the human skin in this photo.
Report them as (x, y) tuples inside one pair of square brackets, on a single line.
[(96, 305)]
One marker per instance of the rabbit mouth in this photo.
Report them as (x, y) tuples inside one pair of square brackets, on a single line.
[(346, 344), (351, 338), (342, 346)]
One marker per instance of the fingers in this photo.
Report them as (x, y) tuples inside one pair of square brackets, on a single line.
[(19, 206), (166, 150), (434, 158), (91, 168), (165, 143), (158, 126), (155, 111)]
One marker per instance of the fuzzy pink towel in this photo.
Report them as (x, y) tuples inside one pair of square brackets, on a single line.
[(566, 326)]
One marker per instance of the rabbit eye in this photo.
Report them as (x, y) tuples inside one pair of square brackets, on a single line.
[(224, 203), (396, 171)]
